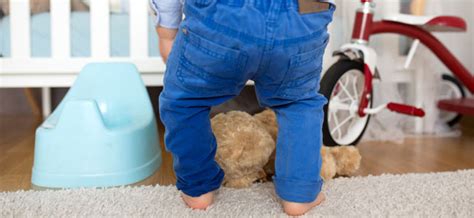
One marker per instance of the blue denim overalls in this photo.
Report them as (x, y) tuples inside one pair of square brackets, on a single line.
[(221, 45)]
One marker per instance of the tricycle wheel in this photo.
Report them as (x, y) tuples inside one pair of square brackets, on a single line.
[(342, 85), (450, 88)]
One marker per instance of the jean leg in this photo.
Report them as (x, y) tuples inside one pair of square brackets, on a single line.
[(298, 158), (199, 74), (189, 137), (290, 87)]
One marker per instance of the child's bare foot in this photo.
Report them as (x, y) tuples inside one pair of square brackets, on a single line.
[(297, 209), (201, 202)]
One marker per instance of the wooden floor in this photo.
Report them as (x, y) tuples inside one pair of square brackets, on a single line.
[(421, 154)]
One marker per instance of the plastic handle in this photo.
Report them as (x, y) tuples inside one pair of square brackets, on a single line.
[(406, 109)]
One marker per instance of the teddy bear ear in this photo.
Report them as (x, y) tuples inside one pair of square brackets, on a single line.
[(267, 119)]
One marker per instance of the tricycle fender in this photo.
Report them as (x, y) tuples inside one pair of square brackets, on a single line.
[(355, 51)]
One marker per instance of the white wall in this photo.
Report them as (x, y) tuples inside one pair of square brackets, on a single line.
[(461, 44)]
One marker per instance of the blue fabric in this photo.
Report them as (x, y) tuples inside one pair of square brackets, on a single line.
[(169, 12), (218, 48), (80, 35)]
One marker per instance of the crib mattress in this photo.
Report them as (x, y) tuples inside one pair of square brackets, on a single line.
[(80, 35)]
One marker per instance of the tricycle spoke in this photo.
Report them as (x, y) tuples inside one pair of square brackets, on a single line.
[(344, 89), (339, 125), (339, 132), (338, 98), (354, 86), (335, 105)]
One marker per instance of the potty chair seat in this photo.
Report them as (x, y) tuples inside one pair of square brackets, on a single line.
[(103, 133)]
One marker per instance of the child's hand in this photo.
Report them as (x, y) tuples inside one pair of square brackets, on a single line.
[(166, 39)]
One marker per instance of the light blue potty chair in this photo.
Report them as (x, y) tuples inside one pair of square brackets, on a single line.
[(102, 134)]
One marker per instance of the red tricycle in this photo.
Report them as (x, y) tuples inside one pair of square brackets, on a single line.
[(348, 84)]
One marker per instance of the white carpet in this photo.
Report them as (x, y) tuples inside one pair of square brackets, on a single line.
[(448, 194)]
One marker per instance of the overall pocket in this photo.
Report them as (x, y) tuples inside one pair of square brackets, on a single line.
[(303, 75), (209, 68)]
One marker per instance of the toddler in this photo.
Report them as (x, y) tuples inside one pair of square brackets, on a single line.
[(211, 54)]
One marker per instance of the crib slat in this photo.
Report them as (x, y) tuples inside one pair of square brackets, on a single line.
[(20, 28), (60, 28), (100, 28), (139, 28)]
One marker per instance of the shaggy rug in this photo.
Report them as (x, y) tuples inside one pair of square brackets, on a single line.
[(449, 194)]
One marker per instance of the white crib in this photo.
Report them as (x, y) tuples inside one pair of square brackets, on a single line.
[(60, 70)]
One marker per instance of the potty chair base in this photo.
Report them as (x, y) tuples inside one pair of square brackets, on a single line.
[(46, 180), (103, 133)]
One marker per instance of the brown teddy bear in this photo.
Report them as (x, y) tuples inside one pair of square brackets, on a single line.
[(246, 149), (243, 148)]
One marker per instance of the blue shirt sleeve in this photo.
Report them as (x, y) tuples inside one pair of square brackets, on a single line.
[(169, 13)]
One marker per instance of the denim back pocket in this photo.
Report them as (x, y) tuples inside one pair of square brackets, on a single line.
[(303, 75), (209, 68)]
